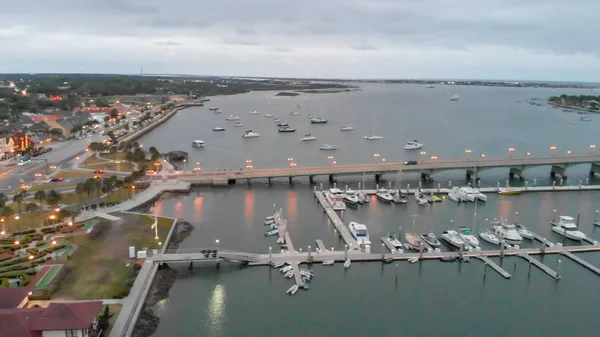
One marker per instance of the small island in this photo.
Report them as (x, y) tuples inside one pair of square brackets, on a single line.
[(287, 93), (576, 102)]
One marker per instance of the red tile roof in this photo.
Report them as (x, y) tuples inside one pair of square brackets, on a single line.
[(10, 298), (66, 316), (19, 322)]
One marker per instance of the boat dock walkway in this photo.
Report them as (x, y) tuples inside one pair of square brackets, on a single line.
[(542, 239), (582, 262), (283, 233), (494, 266), (540, 265), (321, 246), (590, 240), (337, 222)]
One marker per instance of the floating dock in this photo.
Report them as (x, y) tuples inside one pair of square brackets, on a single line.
[(321, 246), (540, 265), (337, 222), (582, 262), (494, 266), (389, 245)]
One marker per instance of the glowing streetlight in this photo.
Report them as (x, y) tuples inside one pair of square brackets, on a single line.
[(529, 153), (592, 146), (30, 257), (483, 155), (434, 157), (16, 242), (468, 152), (376, 156), (57, 210), (568, 151), (553, 148), (383, 160), (17, 217), (334, 162)]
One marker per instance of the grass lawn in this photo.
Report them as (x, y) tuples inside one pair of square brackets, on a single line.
[(27, 220), (74, 174), (15, 206), (114, 196), (98, 267), (114, 156), (110, 166), (114, 309), (92, 160), (47, 187)]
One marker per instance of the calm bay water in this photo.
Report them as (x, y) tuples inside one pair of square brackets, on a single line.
[(427, 299)]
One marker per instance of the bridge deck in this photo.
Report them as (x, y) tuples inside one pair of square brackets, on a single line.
[(494, 266), (337, 222), (540, 265)]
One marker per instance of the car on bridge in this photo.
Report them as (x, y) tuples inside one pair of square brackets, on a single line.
[(411, 162)]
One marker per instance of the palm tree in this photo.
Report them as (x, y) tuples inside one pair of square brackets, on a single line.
[(19, 198), (3, 200), (119, 186), (40, 196), (79, 190), (53, 197)]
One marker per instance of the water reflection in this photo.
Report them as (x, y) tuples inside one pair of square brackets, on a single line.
[(249, 207), (179, 209), (198, 201), (292, 205), (216, 310)]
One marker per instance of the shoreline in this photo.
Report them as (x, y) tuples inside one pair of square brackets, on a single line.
[(556, 105), (148, 322)]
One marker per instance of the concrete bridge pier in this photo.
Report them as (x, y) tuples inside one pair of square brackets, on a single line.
[(311, 179), (516, 171), (471, 174), (249, 181), (595, 169), (331, 178), (378, 178), (269, 180), (561, 171), (290, 179)]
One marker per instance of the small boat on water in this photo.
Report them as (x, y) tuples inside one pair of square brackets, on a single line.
[(289, 274), (413, 260), (269, 222), (328, 263), (372, 137), (567, 227), (347, 264), (524, 232), (359, 232), (278, 265), (435, 198), (232, 118), (237, 125), (218, 128), (280, 124), (250, 134), (454, 97), (198, 144), (364, 197), (466, 234), (428, 197), (269, 218), (308, 137), (268, 115), (276, 120), (384, 195), (328, 147), (488, 236), (351, 197), (254, 112), (420, 197), (508, 190), (347, 128), (286, 128), (213, 109), (448, 259), (412, 145), (293, 289), (318, 120), (455, 195), (286, 269), (271, 232), (413, 240), (431, 239), (399, 198), (294, 113), (391, 236), (452, 237), (585, 119)]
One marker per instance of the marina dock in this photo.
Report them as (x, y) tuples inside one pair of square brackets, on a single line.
[(281, 225), (540, 265), (389, 245), (321, 246), (337, 222), (582, 262), (494, 266)]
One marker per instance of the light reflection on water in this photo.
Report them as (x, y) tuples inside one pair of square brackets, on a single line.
[(217, 310)]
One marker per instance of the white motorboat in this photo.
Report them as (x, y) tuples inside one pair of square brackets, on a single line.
[(286, 128), (276, 120), (454, 97), (335, 198), (294, 113), (364, 197), (455, 195), (351, 197), (268, 115), (318, 120), (213, 108), (420, 197), (509, 190), (574, 235), (270, 217), (488, 236), (412, 145), (372, 137), (278, 265), (218, 128), (269, 222), (271, 232), (466, 234), (237, 125), (431, 239), (524, 232), (289, 274), (254, 112), (384, 195), (413, 260), (567, 227), (507, 232), (250, 134), (347, 128), (393, 239), (286, 269), (328, 147), (471, 194), (198, 144), (462, 195), (282, 124), (232, 118), (328, 263), (360, 233), (293, 289), (308, 137), (347, 263), (452, 237), (399, 198)]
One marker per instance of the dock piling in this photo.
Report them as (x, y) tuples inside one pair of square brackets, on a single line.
[(529, 271), (450, 184), (502, 248), (558, 268), (270, 252), (389, 185), (342, 214), (534, 182), (382, 252), (396, 272), (485, 271), (439, 187), (345, 252)]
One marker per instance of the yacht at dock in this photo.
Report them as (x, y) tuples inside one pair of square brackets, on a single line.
[(507, 232), (566, 227), (384, 195), (431, 239), (452, 237), (466, 234), (360, 233)]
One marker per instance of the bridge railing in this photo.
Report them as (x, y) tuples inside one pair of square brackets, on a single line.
[(188, 251)]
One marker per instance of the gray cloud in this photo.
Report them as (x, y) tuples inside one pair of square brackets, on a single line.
[(555, 30)]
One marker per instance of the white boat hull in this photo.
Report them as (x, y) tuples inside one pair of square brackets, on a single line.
[(347, 263), (572, 235)]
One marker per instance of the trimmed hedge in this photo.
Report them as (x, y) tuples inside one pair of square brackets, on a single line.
[(39, 297), (3, 282)]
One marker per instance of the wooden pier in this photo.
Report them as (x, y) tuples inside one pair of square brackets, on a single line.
[(321, 246), (582, 262), (540, 265), (337, 222), (494, 266)]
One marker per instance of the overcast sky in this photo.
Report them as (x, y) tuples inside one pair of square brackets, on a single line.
[(482, 39)]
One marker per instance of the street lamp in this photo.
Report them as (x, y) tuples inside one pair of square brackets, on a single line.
[(483, 155), (217, 242), (249, 164), (552, 148), (529, 153), (468, 152), (423, 153), (434, 157), (133, 191), (568, 151), (376, 156), (511, 150), (334, 162), (383, 160)]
